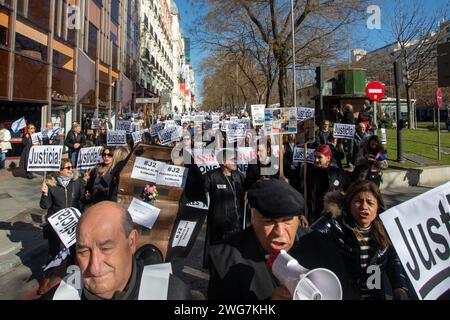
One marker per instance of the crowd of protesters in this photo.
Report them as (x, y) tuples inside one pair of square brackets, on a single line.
[(272, 199)]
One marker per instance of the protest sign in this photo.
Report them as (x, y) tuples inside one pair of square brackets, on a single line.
[(135, 126), (36, 137), (116, 138), (95, 124), (169, 135), (344, 131), (56, 262), (215, 119), (258, 114), (305, 113), (280, 121), (146, 169), (183, 233), (197, 205), (45, 158), (137, 136), (199, 118), (124, 125), (143, 213), (173, 176), (89, 158), (157, 127), (177, 117), (383, 136), (65, 222), (299, 155), (419, 231)]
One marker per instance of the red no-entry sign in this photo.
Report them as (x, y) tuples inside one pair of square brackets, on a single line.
[(375, 91), (439, 97)]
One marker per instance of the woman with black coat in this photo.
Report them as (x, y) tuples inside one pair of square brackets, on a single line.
[(352, 222), (98, 180), (28, 143), (60, 191)]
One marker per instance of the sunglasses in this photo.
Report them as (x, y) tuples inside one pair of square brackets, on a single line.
[(68, 168), (107, 155)]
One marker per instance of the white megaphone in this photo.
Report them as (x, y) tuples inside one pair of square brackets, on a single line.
[(304, 284)]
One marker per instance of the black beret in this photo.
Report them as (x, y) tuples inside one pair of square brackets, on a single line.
[(275, 198)]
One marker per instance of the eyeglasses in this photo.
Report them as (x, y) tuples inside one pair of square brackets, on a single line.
[(68, 168), (107, 155)]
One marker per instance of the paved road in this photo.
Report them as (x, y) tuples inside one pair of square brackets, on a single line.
[(21, 282)]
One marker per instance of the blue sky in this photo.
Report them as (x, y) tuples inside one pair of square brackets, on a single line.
[(190, 9)]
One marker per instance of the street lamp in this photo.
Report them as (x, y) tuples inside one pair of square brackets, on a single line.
[(293, 55)]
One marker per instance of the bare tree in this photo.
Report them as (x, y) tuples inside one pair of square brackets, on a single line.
[(417, 34), (264, 25)]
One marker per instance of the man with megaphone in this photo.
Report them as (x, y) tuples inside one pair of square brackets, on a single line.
[(239, 268)]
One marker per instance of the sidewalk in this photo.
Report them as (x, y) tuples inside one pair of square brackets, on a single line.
[(20, 221)]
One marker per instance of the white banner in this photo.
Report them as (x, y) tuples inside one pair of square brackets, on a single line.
[(183, 233), (45, 158), (199, 118), (143, 213), (146, 169), (65, 222), (137, 136), (169, 135), (123, 125), (420, 232), (173, 176), (89, 157), (299, 154), (258, 114), (345, 131), (116, 138), (215, 119)]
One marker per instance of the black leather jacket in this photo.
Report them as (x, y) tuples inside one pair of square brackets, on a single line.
[(335, 224)]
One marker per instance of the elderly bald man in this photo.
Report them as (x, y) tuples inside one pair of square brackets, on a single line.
[(109, 269)]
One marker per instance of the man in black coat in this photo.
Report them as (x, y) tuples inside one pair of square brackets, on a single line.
[(75, 140), (290, 168), (238, 266)]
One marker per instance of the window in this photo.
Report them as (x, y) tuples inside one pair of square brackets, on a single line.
[(92, 48), (115, 10), (30, 48), (60, 59), (3, 36), (115, 54), (38, 12)]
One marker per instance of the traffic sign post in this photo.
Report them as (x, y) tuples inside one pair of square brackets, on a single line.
[(439, 101), (375, 92)]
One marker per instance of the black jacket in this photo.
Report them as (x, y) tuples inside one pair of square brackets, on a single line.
[(238, 270), (319, 182), (100, 140), (99, 186), (226, 207), (335, 224), (322, 137), (27, 142), (59, 198), (71, 139)]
